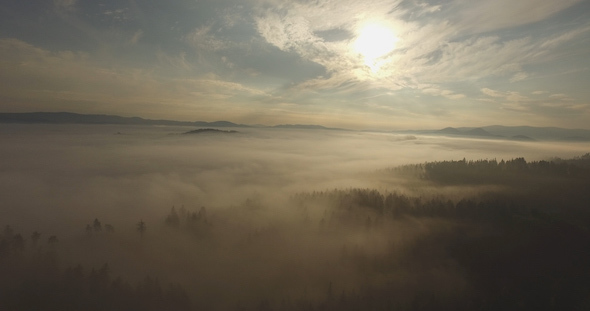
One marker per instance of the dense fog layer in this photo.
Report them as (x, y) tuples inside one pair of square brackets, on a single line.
[(256, 213), (72, 172)]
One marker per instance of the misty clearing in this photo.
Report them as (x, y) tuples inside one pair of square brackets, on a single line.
[(107, 217)]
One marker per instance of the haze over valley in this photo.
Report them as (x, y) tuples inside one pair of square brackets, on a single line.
[(294, 155), (284, 218)]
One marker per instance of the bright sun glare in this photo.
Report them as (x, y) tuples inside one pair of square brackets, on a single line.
[(374, 42)]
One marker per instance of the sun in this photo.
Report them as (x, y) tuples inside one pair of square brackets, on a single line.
[(374, 42)]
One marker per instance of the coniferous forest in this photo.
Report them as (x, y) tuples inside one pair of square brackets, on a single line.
[(518, 239)]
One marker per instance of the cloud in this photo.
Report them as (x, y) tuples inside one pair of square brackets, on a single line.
[(214, 85), (436, 46), (35, 72), (425, 52), (566, 106), (519, 76), (558, 40), (65, 5), (428, 9), (177, 62), (290, 32), (543, 108), (439, 50), (484, 16), (507, 96), (492, 93), (516, 97), (63, 80), (432, 90), (476, 58), (562, 97), (202, 39), (136, 36), (118, 14), (297, 27), (302, 53)]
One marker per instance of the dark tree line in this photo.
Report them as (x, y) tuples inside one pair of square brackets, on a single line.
[(491, 171), (346, 206), (97, 228), (195, 222), (526, 247), (522, 246), (33, 280), (12, 243)]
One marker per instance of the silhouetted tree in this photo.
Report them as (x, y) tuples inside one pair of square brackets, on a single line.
[(172, 219), (35, 238), (109, 228), (52, 240), (203, 214), (141, 227), (96, 225), (182, 212), (8, 232), (18, 243), (4, 247)]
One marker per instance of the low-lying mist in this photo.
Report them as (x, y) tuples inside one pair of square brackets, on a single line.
[(78, 171), (287, 219)]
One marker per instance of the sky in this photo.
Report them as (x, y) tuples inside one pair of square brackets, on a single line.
[(373, 64)]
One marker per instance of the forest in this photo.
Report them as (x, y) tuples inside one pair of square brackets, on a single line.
[(449, 235)]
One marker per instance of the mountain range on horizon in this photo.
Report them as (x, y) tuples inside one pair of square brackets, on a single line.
[(77, 118), (519, 133)]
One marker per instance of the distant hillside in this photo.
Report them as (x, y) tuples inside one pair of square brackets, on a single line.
[(520, 133), (477, 132), (522, 138), (305, 126), (75, 118), (541, 133), (209, 130), (449, 131)]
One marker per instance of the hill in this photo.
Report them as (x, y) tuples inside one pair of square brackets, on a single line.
[(520, 133), (209, 130), (75, 118), (541, 133), (471, 132)]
